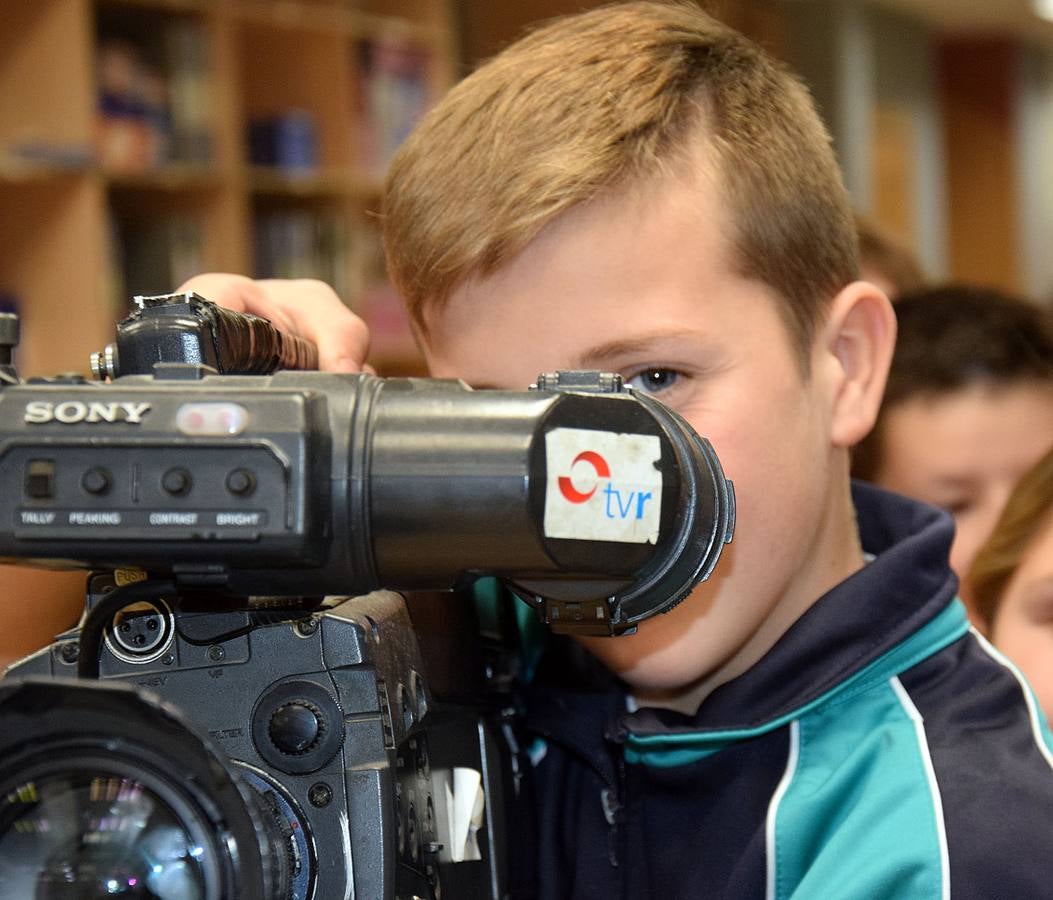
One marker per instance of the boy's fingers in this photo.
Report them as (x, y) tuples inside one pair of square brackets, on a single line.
[(304, 307), (235, 292)]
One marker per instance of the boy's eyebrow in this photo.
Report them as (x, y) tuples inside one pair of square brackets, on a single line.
[(634, 346)]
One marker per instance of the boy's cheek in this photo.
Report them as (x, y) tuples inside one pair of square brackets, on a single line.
[(668, 652)]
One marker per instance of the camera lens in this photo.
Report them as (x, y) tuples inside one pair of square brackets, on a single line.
[(106, 791), (94, 831)]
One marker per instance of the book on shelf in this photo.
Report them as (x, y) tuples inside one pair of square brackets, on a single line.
[(154, 256), (393, 91), (153, 105), (288, 141), (302, 243), (189, 91)]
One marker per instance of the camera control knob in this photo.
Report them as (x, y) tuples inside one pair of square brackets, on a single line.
[(176, 482), (104, 363), (241, 482), (96, 480), (296, 727)]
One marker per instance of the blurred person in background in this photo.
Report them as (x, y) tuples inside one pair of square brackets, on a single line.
[(885, 261), (1011, 581), (968, 408)]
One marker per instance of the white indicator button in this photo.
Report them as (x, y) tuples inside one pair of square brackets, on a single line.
[(211, 419)]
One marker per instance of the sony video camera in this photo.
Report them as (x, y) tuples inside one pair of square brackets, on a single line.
[(247, 709)]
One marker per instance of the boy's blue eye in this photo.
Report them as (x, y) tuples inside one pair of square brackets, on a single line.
[(653, 381)]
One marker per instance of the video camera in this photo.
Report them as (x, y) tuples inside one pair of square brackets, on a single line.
[(256, 714)]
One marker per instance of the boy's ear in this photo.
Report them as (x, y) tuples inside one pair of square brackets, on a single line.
[(858, 339)]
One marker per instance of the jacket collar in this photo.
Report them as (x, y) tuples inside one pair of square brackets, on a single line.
[(906, 585)]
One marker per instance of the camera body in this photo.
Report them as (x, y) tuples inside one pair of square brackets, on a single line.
[(327, 714), (256, 712)]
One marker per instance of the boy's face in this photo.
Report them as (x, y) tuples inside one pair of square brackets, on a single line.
[(965, 450), (1023, 623), (641, 284)]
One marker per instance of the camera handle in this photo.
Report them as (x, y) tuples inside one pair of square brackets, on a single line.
[(187, 328)]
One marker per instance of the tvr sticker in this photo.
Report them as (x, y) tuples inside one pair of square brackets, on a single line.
[(603, 486)]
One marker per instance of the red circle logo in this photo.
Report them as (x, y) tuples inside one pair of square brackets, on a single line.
[(599, 466)]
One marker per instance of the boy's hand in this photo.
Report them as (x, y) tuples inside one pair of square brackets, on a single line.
[(303, 307)]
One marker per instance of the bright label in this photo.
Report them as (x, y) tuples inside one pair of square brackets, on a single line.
[(602, 486)]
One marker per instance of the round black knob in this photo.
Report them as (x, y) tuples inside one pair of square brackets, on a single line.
[(295, 727), (176, 482), (241, 482), (96, 480)]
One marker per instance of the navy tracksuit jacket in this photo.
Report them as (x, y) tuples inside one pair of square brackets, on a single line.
[(879, 750)]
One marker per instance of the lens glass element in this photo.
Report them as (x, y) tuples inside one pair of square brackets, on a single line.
[(87, 833)]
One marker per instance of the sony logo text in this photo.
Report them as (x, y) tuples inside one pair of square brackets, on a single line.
[(70, 412)]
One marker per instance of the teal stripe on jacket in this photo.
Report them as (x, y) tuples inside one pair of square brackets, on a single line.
[(861, 789), (683, 748)]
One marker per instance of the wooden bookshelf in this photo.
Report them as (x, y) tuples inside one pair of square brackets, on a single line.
[(95, 186)]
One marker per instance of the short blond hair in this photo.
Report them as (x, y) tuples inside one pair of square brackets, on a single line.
[(606, 99)]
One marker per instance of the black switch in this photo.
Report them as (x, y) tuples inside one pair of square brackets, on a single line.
[(40, 479)]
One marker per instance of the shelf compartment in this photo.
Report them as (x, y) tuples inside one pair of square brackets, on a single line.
[(297, 71), (55, 291), (154, 79), (160, 237), (45, 78)]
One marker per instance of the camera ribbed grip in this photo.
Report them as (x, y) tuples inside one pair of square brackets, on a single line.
[(249, 345)]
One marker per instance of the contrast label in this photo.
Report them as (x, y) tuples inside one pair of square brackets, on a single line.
[(603, 486)]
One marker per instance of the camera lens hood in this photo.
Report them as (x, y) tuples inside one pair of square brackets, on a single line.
[(88, 765)]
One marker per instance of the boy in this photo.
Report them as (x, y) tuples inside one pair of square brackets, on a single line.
[(968, 408), (639, 189)]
